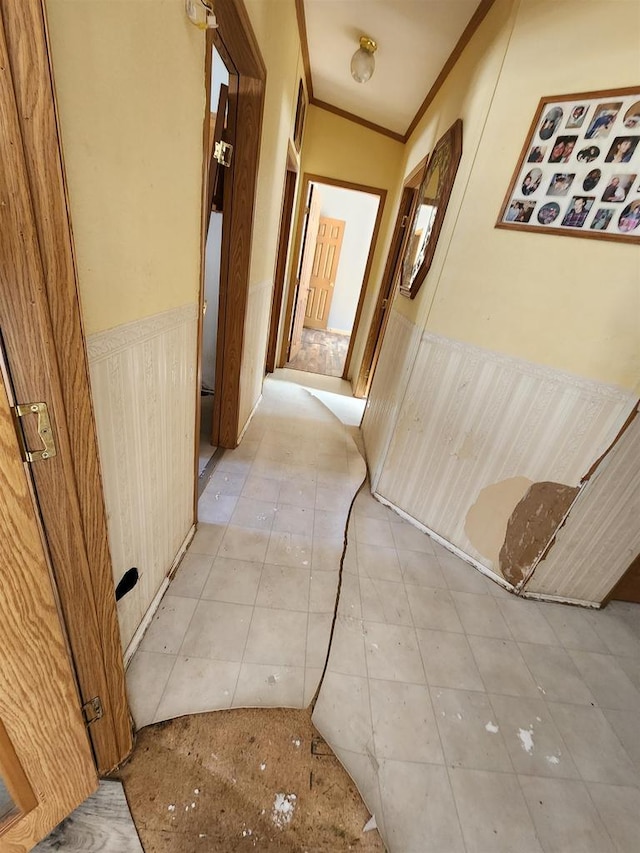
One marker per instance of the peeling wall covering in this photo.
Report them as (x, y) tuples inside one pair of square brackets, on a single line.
[(532, 525)]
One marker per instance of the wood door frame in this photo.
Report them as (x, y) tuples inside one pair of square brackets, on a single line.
[(70, 494), (390, 282), (284, 243), (307, 179), (235, 41)]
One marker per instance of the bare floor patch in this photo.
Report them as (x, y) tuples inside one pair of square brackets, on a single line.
[(256, 779)]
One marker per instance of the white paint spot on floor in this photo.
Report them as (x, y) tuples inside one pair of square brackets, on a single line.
[(526, 739), (296, 742), (263, 766), (492, 727), (246, 832), (459, 716), (193, 805), (553, 759), (539, 719), (171, 807), (283, 808), (196, 791)]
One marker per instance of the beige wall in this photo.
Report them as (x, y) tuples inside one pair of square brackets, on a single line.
[(578, 309), (130, 85), (129, 80), (529, 343), (335, 147)]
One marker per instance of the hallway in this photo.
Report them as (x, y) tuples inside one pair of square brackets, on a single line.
[(514, 721)]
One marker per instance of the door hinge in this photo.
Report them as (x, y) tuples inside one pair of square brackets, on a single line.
[(92, 710), (405, 219), (222, 153), (44, 431), (385, 302)]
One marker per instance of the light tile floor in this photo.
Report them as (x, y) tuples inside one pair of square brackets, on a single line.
[(470, 720), (246, 619)]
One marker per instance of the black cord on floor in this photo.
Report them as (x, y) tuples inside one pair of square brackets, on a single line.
[(312, 704)]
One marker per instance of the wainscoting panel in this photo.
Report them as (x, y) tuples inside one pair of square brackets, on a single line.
[(254, 348), (472, 418), (143, 379), (601, 536), (401, 341)]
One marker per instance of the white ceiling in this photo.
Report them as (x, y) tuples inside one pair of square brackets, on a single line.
[(415, 39)]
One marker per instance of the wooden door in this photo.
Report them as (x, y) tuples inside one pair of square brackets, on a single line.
[(219, 137), (46, 765), (305, 269), (325, 268)]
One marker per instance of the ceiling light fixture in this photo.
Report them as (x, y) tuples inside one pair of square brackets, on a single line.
[(362, 62)]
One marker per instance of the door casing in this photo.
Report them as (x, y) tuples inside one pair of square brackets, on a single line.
[(307, 179)]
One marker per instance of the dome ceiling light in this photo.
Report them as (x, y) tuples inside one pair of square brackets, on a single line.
[(362, 62)]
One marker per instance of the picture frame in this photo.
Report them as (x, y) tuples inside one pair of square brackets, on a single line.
[(430, 208), (301, 110), (578, 174)]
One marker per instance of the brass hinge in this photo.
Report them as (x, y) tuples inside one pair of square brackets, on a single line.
[(44, 431), (92, 710), (404, 221), (385, 302), (222, 153)]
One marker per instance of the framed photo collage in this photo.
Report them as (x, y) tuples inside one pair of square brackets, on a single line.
[(579, 171)]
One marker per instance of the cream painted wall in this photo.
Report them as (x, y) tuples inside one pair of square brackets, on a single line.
[(564, 302), (275, 25), (129, 80), (335, 147)]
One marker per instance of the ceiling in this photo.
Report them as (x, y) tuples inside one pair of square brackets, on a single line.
[(415, 39)]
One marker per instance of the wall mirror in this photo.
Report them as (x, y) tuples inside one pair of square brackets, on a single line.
[(431, 206)]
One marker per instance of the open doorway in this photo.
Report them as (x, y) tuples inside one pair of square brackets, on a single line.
[(212, 259), (336, 235)]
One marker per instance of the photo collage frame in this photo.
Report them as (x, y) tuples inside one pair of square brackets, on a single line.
[(579, 170)]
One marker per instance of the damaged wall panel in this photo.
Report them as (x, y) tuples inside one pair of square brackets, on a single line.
[(531, 527), (601, 535)]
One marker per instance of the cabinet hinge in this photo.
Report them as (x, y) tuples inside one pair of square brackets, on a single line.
[(44, 431), (92, 710), (222, 153)]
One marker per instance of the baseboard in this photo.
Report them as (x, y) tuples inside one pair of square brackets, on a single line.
[(339, 332), (559, 599), (249, 419), (446, 544), (132, 648)]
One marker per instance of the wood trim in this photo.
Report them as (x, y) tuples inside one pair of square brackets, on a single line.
[(414, 178), (378, 128), (476, 19), (303, 200), (304, 47), (386, 294), (71, 497), (237, 44), (307, 179), (286, 218)]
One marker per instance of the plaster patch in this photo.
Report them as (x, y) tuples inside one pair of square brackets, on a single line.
[(487, 519)]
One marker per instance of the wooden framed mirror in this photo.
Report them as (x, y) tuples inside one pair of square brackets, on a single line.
[(431, 206)]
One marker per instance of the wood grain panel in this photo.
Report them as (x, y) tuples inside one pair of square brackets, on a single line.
[(38, 266), (472, 418), (39, 705), (601, 535), (382, 311), (239, 48), (284, 235)]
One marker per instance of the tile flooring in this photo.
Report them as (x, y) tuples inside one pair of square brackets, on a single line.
[(470, 720)]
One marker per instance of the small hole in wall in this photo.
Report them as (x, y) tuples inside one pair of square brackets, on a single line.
[(127, 582)]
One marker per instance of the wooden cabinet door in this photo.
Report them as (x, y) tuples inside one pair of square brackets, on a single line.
[(324, 272), (46, 765)]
